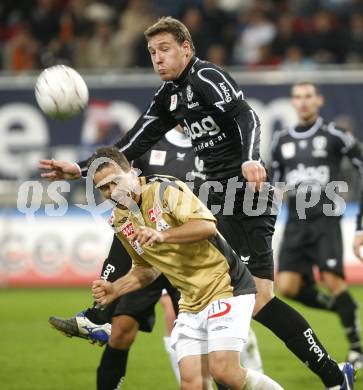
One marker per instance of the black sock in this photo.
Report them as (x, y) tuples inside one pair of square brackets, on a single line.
[(97, 316), (310, 295), (347, 310), (112, 368), (295, 332)]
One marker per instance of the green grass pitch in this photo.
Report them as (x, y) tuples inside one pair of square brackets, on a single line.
[(33, 356)]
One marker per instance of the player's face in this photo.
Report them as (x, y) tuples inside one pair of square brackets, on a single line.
[(307, 102), (169, 58), (117, 185)]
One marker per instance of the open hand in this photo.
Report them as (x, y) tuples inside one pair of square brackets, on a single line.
[(59, 170)]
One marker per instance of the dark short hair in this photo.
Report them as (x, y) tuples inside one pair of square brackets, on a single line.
[(113, 155), (314, 85), (175, 27)]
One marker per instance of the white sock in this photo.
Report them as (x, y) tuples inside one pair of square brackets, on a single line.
[(250, 355), (172, 357), (257, 381)]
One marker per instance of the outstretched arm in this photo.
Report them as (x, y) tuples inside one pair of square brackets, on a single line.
[(138, 277), (59, 170)]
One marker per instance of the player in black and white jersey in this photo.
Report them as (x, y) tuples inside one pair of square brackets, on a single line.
[(308, 158), (225, 133)]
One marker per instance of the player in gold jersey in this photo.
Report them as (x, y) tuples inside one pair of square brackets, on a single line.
[(165, 228)]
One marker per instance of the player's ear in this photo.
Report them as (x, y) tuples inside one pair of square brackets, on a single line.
[(186, 47)]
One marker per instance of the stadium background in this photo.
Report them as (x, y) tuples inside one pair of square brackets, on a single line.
[(268, 45)]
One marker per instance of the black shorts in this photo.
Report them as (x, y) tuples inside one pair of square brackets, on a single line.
[(249, 235), (251, 239), (309, 243), (139, 304)]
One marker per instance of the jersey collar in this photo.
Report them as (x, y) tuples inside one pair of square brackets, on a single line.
[(186, 70), (309, 132)]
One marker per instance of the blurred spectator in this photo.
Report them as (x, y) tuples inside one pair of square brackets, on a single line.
[(266, 57), (101, 50), (257, 31), (193, 19), (60, 50), (216, 19), (174, 8), (21, 52), (355, 39), (80, 24), (45, 20), (294, 59), (129, 33), (235, 5), (101, 34), (98, 12), (326, 39), (217, 54), (286, 36)]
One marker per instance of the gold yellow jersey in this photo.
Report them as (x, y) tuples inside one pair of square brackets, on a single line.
[(202, 271)]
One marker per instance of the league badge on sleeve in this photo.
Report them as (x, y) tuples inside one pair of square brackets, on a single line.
[(173, 102)]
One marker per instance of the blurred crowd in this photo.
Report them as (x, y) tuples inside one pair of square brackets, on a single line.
[(96, 34)]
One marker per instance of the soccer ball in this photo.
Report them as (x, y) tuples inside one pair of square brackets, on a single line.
[(61, 92)]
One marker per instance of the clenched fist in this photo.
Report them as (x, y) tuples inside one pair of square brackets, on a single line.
[(103, 292), (147, 236), (254, 173)]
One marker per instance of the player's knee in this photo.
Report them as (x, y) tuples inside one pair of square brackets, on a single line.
[(262, 298), (287, 287), (121, 339), (122, 336), (224, 371), (333, 282), (227, 376), (191, 382)]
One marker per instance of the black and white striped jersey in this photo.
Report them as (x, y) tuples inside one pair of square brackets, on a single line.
[(208, 104), (311, 156)]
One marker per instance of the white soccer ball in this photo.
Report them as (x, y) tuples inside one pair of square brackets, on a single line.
[(61, 92)]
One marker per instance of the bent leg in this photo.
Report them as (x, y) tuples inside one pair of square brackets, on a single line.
[(112, 368), (289, 283), (280, 318), (292, 285), (194, 373), (347, 309), (250, 354), (225, 368), (169, 318), (287, 324)]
